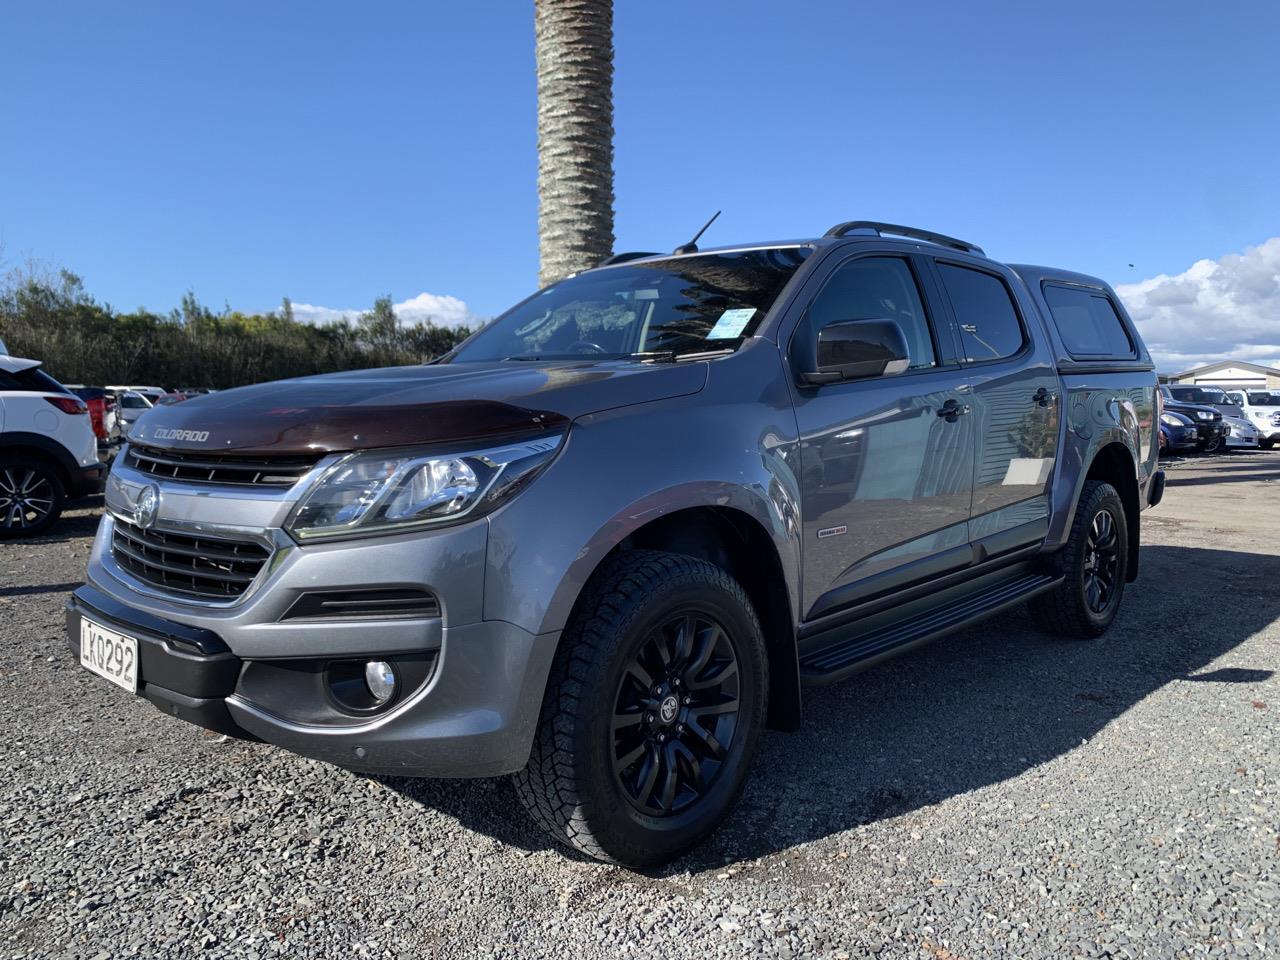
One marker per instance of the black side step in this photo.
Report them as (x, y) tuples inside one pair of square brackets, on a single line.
[(840, 659)]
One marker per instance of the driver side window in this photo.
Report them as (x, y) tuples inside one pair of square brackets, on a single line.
[(876, 288)]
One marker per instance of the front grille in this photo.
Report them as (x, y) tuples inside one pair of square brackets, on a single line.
[(211, 568), (232, 469)]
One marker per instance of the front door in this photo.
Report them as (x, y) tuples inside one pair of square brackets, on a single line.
[(887, 462)]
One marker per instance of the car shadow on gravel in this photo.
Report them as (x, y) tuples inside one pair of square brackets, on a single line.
[(969, 711)]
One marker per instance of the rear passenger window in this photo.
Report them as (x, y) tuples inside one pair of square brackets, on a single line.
[(1088, 322), (988, 320)]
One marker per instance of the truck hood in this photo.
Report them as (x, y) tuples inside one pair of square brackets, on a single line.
[(392, 406)]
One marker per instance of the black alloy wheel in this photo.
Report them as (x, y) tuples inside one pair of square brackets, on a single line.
[(1092, 568), (1101, 561), (653, 707), (675, 714)]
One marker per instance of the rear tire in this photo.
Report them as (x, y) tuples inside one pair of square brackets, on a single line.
[(652, 711), (31, 498), (1093, 563)]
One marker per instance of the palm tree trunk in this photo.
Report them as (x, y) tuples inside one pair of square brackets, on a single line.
[(575, 134)]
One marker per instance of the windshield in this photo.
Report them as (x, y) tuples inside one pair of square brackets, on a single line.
[(1210, 395), (133, 401), (678, 305), (1260, 399)]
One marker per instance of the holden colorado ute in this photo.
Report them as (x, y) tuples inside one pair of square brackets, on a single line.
[(606, 542)]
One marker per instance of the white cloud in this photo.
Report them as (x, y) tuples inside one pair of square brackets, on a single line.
[(443, 310), (1225, 309)]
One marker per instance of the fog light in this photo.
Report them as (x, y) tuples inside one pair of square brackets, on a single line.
[(380, 679)]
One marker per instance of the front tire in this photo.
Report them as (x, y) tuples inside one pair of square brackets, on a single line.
[(31, 498), (652, 711), (1215, 444), (1093, 564)]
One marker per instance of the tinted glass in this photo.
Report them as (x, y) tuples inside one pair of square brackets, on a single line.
[(133, 402), (1260, 399), (1209, 395), (685, 304), (31, 380), (989, 326), (1088, 322), (876, 288)]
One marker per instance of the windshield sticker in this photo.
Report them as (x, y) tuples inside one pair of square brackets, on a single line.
[(731, 323)]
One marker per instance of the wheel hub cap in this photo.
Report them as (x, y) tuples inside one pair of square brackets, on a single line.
[(1101, 562), (675, 714)]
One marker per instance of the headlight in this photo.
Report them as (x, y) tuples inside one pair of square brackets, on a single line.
[(1169, 420), (1203, 415), (388, 491)]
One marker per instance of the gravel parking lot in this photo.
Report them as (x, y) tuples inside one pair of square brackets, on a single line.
[(999, 794)]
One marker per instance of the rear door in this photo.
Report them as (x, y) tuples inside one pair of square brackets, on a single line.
[(1016, 403), (886, 473)]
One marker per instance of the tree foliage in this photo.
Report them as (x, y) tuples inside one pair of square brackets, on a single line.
[(50, 317)]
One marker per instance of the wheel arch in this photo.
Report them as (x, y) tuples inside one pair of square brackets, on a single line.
[(40, 448), (740, 544), (1114, 463)]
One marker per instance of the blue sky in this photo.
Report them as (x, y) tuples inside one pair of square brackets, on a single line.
[(333, 152)]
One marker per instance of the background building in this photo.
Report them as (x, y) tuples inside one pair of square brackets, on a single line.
[(1231, 373)]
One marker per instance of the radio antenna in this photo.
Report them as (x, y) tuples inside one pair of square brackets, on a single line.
[(692, 245)]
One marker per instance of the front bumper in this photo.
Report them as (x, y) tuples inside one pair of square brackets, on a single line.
[(473, 713)]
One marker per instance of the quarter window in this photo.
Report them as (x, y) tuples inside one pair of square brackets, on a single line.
[(1088, 322), (988, 320), (876, 288)]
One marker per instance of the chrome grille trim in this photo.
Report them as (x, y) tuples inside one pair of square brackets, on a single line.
[(221, 469), (193, 565)]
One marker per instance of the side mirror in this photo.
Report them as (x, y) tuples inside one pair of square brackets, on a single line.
[(853, 349)]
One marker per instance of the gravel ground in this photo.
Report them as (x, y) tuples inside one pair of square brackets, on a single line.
[(999, 794)]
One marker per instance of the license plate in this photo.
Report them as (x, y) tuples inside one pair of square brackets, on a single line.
[(109, 654)]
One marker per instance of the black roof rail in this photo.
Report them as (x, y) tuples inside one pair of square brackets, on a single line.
[(624, 257), (880, 229)]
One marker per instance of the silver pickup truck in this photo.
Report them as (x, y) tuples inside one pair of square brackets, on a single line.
[(605, 543)]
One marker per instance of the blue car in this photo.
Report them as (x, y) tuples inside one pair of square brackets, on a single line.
[(1177, 432)]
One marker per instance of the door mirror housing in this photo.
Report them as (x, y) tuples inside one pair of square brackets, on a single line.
[(854, 349)]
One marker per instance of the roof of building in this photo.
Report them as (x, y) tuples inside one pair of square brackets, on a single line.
[(1223, 365)]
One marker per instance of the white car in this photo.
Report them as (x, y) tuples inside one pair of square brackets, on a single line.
[(1262, 409), (1243, 434), (131, 404), (48, 453)]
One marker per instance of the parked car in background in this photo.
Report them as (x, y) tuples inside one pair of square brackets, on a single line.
[(132, 405), (1262, 409), (1210, 428), (168, 399), (151, 393), (102, 411), (1243, 435), (1177, 433), (603, 543), (48, 452), (1206, 396)]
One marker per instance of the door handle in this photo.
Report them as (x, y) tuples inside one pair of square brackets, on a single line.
[(1044, 397), (951, 410)]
